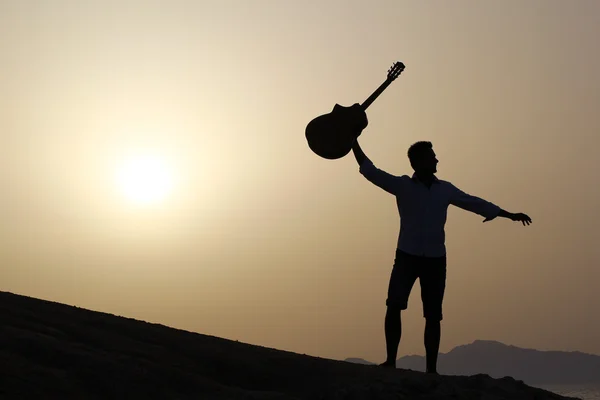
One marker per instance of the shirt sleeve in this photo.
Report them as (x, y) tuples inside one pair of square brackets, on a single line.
[(388, 182), (471, 203)]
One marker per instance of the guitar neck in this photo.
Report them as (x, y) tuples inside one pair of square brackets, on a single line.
[(376, 94)]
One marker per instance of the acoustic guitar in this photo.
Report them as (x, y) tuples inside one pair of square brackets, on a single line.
[(332, 135)]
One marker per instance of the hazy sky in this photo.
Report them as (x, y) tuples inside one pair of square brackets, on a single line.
[(260, 240)]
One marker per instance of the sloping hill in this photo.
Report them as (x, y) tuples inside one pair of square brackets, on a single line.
[(51, 350)]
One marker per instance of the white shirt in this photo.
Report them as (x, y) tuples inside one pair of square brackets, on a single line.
[(423, 210)]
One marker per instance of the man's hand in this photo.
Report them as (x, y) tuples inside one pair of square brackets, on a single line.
[(523, 218), (360, 117)]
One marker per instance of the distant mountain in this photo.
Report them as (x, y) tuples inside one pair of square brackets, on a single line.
[(499, 360)]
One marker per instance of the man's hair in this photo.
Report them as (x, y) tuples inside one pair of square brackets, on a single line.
[(417, 150)]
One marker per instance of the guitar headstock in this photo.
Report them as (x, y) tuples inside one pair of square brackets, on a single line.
[(395, 70)]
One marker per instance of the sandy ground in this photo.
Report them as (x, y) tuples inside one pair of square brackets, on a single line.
[(54, 351)]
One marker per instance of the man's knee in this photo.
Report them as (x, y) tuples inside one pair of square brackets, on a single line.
[(396, 303), (394, 309)]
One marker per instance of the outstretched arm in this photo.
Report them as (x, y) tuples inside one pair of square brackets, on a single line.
[(484, 208)]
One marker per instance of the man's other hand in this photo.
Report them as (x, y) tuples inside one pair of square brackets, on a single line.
[(523, 218), (520, 217)]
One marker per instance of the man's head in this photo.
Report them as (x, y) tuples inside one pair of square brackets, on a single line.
[(422, 158)]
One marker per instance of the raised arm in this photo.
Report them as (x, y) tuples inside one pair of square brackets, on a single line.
[(358, 153), (482, 207), (388, 182)]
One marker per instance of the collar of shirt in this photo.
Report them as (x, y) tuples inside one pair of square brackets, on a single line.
[(415, 179)]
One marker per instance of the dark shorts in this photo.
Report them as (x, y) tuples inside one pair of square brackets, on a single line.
[(431, 272)]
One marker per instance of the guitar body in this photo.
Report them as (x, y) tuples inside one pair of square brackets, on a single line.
[(332, 135)]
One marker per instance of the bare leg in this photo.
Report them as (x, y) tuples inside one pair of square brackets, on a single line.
[(393, 332), (432, 343)]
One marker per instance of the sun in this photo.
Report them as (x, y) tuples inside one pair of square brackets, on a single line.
[(145, 179)]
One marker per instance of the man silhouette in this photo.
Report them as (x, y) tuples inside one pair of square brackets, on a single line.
[(422, 201)]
